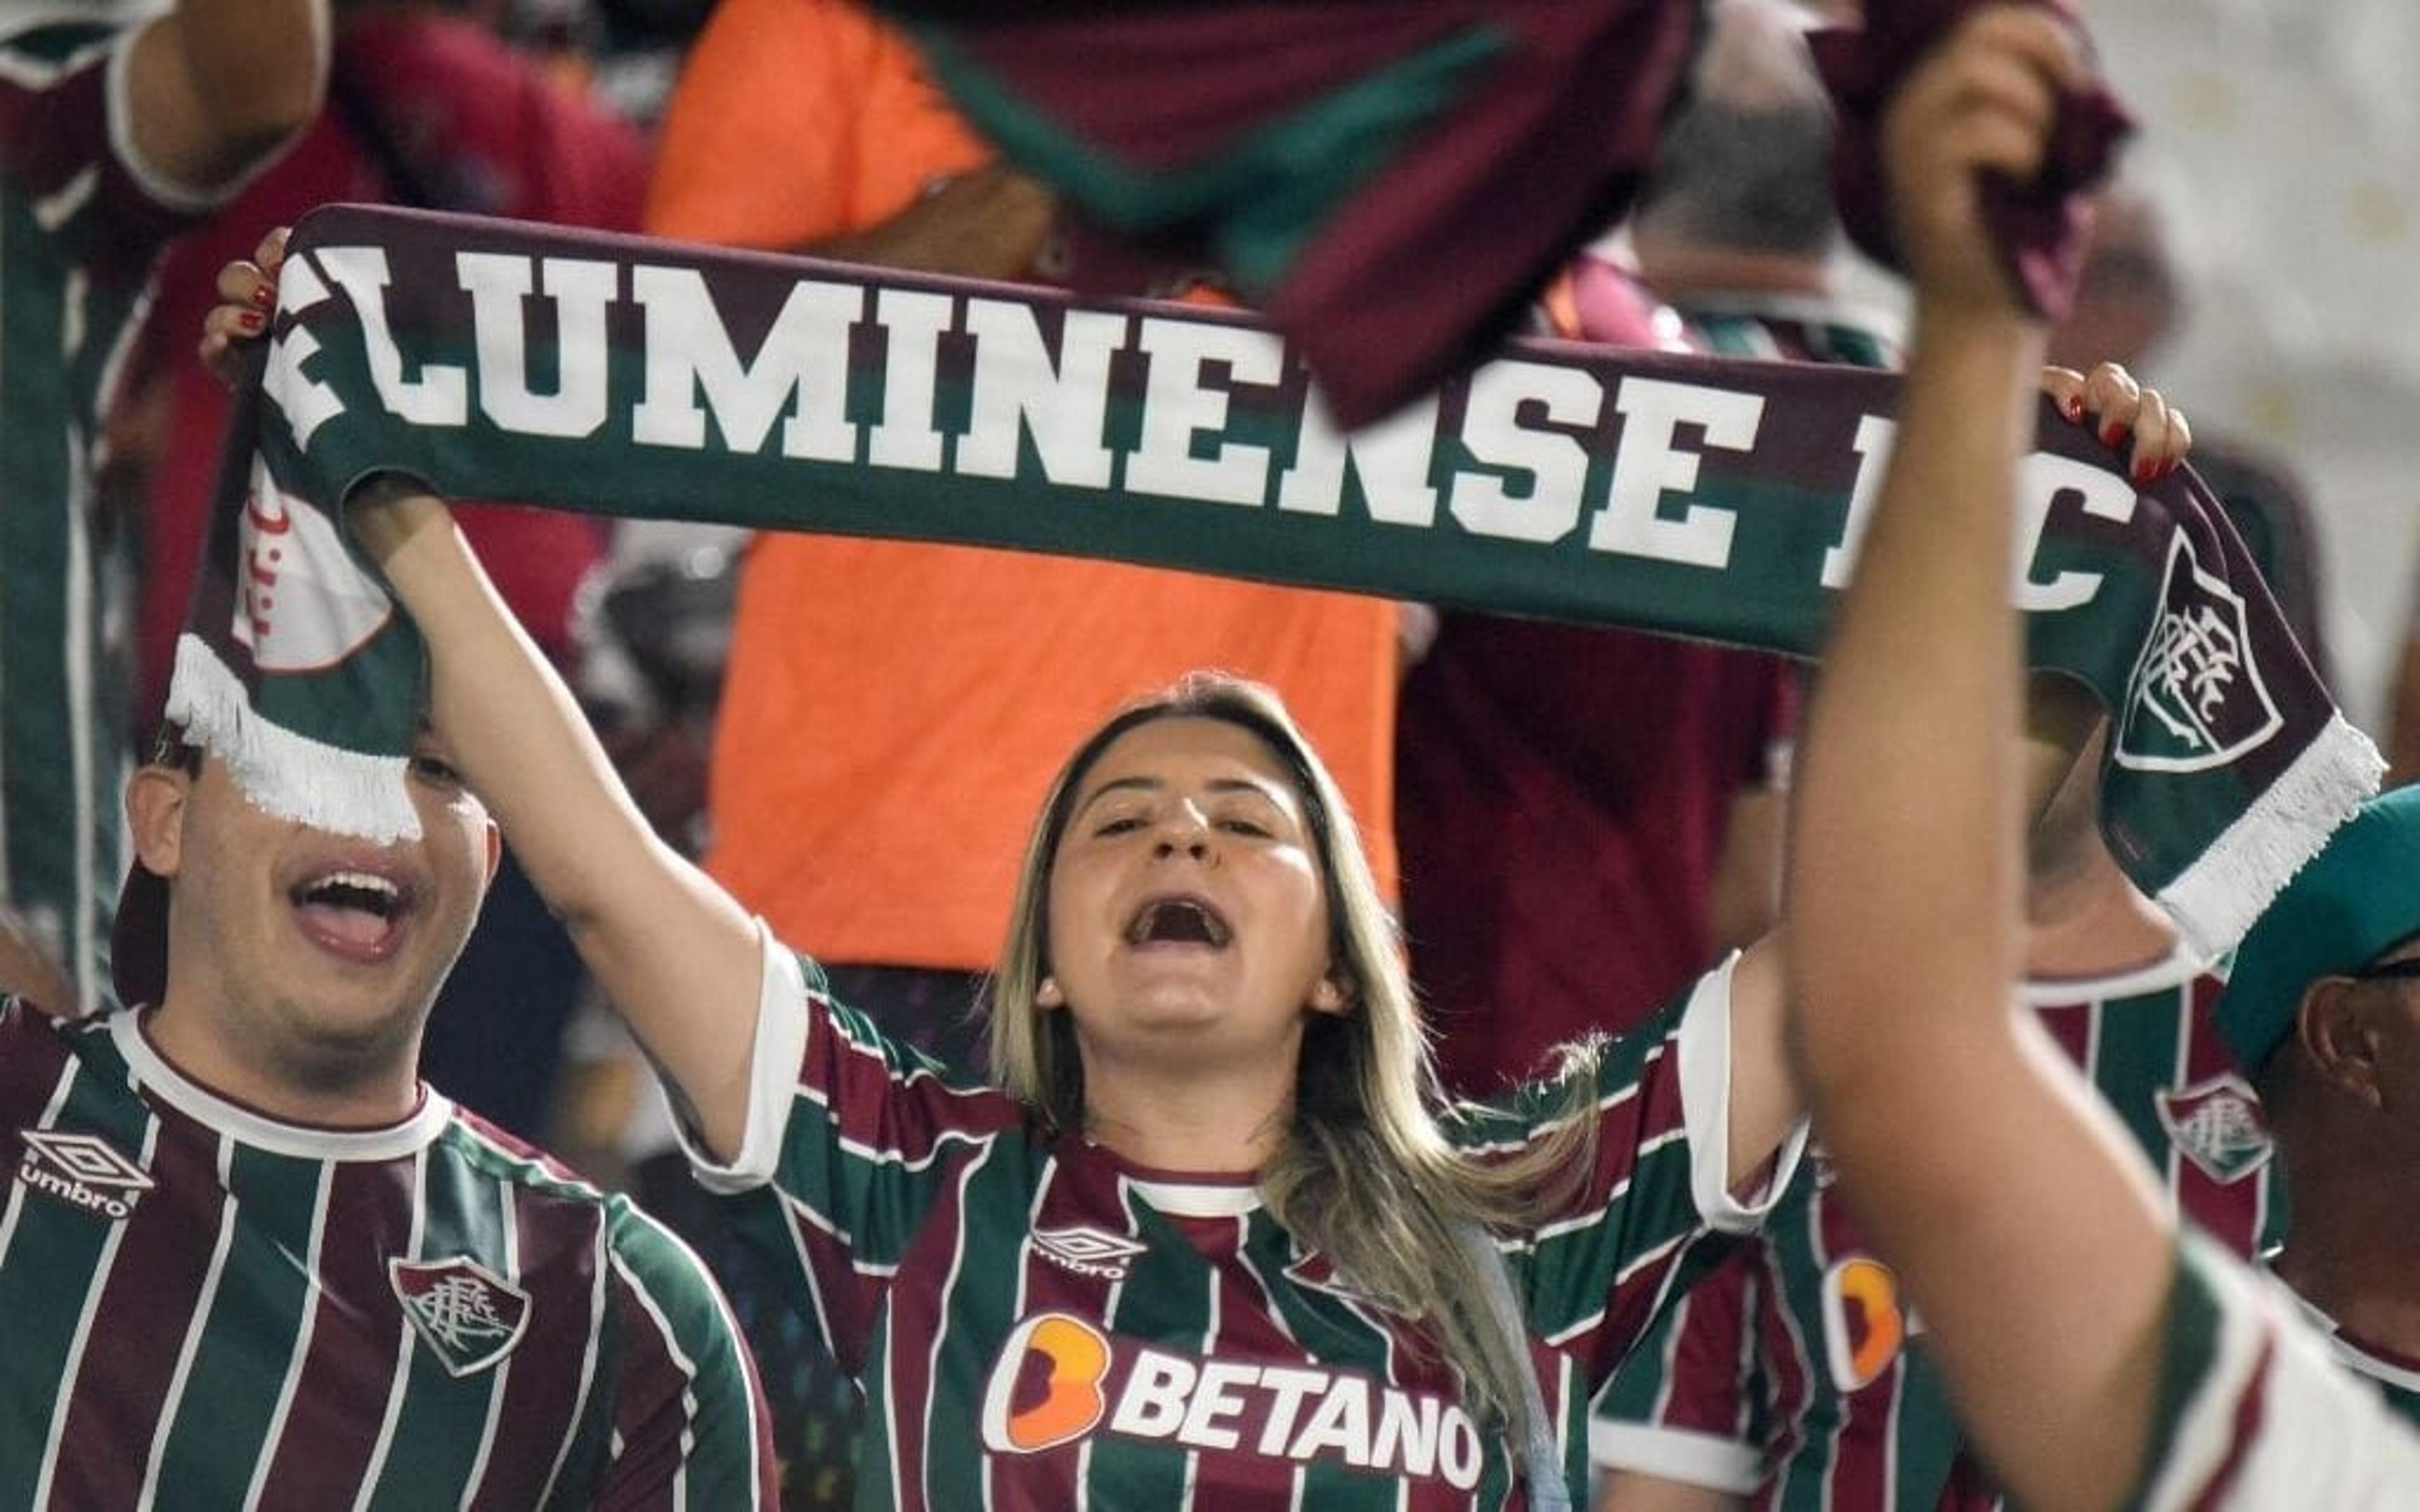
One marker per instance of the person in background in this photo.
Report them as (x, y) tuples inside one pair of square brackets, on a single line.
[(2322, 1014), (1651, 770), (120, 126), (2097, 1356)]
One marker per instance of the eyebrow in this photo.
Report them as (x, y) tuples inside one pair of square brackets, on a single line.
[(1155, 784)]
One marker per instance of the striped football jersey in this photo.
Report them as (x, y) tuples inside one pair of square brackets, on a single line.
[(1040, 1323), (206, 1308), (81, 220), (2254, 1413), (1824, 1404)]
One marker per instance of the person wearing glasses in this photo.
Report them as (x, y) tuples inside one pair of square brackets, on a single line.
[(2323, 1014)]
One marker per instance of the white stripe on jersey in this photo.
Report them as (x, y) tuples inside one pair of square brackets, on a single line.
[(94, 1287), (50, 1116), (502, 1374), (277, 1434), (1050, 1169), (1275, 1315), (1621, 1278), (375, 1472), (202, 1302), (941, 1334), (689, 1376), (588, 1359)]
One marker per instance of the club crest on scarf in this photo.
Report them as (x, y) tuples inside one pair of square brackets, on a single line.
[(2196, 700), (303, 605), (468, 1315)]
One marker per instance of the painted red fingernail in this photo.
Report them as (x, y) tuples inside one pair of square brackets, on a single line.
[(2075, 407), (265, 295), (2145, 472), (252, 320), (2112, 432)]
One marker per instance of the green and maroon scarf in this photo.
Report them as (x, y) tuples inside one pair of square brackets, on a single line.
[(1688, 496)]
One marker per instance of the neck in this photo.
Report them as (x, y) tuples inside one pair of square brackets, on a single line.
[(1188, 1117), (2085, 920), (2354, 1252), (330, 1086)]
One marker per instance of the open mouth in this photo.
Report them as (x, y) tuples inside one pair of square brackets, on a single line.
[(1178, 922), (354, 913)]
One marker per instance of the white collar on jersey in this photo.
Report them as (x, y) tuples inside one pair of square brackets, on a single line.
[(2181, 965), (251, 1127)]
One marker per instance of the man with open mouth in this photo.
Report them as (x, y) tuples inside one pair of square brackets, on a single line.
[(248, 1258)]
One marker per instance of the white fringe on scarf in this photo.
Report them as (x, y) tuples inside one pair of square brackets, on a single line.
[(289, 775), (2219, 896)]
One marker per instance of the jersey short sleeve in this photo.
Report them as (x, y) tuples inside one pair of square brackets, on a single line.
[(67, 137), (1596, 1273), (1688, 1404), (850, 1140), (689, 1424), (2252, 1412)]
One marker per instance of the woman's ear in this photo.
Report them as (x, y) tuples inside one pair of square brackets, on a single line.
[(1332, 993)]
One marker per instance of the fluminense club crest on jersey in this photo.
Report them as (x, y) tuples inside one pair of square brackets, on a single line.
[(2217, 1123), (467, 1314), (82, 1170), (2196, 700)]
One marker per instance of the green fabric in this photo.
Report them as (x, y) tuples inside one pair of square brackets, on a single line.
[(1676, 494), (2358, 899)]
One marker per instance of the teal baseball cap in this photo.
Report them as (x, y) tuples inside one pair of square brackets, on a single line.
[(2358, 899)]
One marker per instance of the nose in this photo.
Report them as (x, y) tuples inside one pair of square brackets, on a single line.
[(1186, 833)]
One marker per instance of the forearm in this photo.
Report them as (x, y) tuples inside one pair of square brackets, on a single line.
[(677, 956), (218, 84), (1906, 788)]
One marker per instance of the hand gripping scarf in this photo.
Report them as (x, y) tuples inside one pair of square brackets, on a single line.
[(1687, 496)]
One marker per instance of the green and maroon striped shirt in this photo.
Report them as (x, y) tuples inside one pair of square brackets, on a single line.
[(1787, 1376), (81, 222), (201, 1307), (2253, 1413), (1038, 1323)]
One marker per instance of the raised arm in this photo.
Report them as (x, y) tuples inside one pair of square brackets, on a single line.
[(676, 954), (216, 85), (2033, 1245)]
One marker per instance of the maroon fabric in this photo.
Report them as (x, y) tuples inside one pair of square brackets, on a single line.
[(481, 129), (1433, 255), (2040, 226), (1558, 847)]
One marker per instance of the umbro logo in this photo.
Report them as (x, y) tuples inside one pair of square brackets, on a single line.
[(468, 1316), (82, 1170), (1087, 1251)]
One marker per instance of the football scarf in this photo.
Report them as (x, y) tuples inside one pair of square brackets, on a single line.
[(1392, 184), (1689, 495)]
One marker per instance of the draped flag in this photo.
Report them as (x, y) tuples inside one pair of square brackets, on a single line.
[(1686, 495), (1391, 183)]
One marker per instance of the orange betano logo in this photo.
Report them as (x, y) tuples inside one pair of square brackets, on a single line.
[(1863, 1326), (1076, 1358)]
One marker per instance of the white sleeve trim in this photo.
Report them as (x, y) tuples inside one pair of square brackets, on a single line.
[(158, 186), (1705, 1050), (1684, 1455), (773, 1064)]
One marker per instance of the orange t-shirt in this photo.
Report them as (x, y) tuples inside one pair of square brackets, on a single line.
[(894, 711)]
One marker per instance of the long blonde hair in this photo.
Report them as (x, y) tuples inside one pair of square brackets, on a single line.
[(1364, 1174)]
